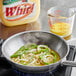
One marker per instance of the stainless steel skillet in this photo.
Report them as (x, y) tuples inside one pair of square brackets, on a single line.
[(13, 43)]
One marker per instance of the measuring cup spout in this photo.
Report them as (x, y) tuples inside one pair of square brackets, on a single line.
[(73, 10)]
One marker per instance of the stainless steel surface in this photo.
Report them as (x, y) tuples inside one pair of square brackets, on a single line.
[(12, 44)]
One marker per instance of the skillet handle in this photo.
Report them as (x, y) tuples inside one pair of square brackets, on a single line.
[(72, 56), (69, 63)]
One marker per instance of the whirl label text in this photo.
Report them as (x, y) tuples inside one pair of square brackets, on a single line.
[(19, 10)]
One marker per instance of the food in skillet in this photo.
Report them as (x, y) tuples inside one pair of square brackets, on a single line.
[(35, 55)]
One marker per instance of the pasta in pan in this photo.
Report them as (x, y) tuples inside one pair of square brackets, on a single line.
[(35, 55)]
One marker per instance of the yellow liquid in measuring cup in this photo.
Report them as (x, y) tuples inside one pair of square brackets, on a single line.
[(61, 29)]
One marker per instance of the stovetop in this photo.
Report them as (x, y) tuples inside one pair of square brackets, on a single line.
[(73, 72), (7, 70)]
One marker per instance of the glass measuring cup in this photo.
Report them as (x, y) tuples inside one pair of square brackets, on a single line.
[(61, 21)]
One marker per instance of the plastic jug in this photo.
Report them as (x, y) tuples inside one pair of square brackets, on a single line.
[(18, 12)]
